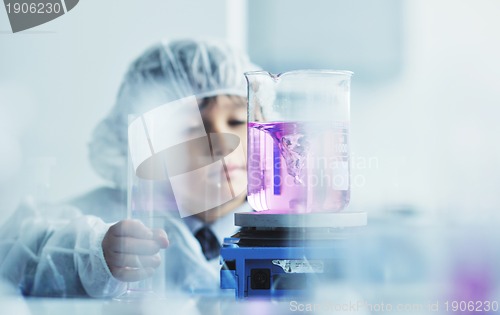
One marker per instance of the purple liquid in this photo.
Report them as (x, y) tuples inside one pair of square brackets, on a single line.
[(299, 167)]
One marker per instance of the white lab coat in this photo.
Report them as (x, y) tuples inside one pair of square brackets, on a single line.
[(56, 251)]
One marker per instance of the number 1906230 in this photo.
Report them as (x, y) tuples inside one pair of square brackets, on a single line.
[(471, 306), (33, 8)]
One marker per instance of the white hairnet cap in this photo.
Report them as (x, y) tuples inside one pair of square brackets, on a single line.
[(163, 73)]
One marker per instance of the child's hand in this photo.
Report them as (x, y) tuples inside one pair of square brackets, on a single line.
[(132, 250)]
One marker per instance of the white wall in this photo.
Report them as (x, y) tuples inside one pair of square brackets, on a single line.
[(62, 77), (435, 130)]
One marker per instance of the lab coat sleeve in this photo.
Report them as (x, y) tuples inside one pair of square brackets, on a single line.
[(56, 252)]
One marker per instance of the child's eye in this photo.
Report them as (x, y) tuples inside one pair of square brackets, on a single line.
[(237, 122)]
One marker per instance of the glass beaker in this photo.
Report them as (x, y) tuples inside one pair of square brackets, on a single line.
[(146, 202), (298, 140)]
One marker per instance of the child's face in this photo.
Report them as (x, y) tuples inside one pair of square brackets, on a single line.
[(227, 115), (224, 119)]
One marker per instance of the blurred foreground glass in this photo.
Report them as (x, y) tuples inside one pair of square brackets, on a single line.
[(144, 203), (298, 140)]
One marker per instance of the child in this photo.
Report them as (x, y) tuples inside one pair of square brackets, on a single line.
[(65, 253)]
